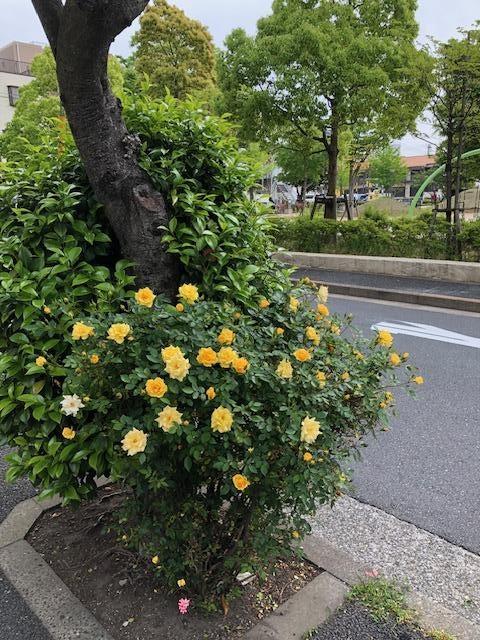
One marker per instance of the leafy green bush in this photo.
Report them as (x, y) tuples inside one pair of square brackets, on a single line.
[(376, 235), (228, 424), (57, 258)]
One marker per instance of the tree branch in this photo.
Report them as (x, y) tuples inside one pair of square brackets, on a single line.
[(49, 13)]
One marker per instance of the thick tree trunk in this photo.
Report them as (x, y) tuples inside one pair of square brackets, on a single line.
[(332, 150), (80, 34)]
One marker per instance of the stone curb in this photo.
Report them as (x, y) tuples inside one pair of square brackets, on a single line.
[(66, 618), (344, 567), (394, 295)]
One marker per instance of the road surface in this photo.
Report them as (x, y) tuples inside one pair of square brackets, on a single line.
[(426, 469)]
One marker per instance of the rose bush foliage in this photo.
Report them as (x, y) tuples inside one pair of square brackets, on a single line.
[(227, 424)]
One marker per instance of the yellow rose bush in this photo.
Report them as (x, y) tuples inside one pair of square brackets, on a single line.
[(227, 432)]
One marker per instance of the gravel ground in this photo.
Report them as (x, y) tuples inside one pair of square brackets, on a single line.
[(17, 621), (353, 622), (430, 565)]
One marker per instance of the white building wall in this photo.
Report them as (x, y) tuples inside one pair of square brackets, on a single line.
[(9, 80)]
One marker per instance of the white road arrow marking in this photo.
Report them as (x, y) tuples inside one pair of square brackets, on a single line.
[(428, 332)]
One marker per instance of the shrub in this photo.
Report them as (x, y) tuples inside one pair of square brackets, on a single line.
[(376, 235), (58, 260), (228, 424)]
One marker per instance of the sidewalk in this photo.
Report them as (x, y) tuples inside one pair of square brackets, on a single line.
[(453, 295), (18, 622)]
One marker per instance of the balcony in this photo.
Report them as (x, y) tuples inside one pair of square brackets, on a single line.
[(15, 66)]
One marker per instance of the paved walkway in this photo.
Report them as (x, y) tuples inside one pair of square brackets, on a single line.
[(18, 622), (392, 283)]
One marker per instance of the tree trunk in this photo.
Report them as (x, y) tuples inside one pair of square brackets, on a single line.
[(449, 175), (80, 35), (332, 150), (352, 179)]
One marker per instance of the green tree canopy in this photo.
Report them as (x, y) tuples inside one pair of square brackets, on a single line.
[(319, 66), (387, 168), (38, 108), (175, 51)]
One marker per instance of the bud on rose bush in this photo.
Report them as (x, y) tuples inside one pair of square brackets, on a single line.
[(229, 426)]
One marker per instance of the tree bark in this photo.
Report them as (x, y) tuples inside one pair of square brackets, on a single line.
[(332, 150), (80, 34)]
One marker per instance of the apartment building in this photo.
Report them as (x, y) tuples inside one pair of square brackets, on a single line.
[(15, 71)]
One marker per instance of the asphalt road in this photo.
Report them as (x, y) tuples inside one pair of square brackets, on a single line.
[(426, 469), (17, 621)]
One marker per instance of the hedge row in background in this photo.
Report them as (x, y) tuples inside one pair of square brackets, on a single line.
[(377, 235)]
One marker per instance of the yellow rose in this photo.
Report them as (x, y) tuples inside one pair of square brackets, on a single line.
[(226, 357), (312, 335), (156, 388), (334, 328), (94, 359), (395, 359), (168, 418), (295, 534), (226, 336), (405, 356), (145, 297), (68, 434), (155, 560), (302, 355), (179, 307), (211, 394), (345, 376), (307, 456), (294, 304), (207, 357), (322, 378), (134, 442), (310, 430), (322, 294), (188, 293), (264, 303), (241, 365), (418, 380), (385, 339), (82, 331), (47, 310), (389, 398), (322, 310), (237, 315), (118, 332), (170, 352), (240, 482), (177, 367), (285, 369), (41, 361), (222, 420), (181, 583), (279, 331)]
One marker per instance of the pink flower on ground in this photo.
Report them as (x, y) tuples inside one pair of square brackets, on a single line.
[(372, 574), (183, 605)]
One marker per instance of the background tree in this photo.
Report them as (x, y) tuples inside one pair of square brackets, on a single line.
[(175, 51), (456, 95), (303, 165), (39, 108), (387, 168), (325, 65)]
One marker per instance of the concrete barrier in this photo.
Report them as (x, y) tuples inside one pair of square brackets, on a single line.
[(446, 270)]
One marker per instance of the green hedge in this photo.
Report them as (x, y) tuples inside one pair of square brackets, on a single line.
[(376, 235)]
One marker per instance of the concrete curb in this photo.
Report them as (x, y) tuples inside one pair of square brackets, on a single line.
[(66, 618), (344, 567), (446, 270), (409, 297)]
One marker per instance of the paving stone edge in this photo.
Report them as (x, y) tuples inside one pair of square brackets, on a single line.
[(66, 618)]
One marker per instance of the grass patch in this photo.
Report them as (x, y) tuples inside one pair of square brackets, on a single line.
[(383, 600)]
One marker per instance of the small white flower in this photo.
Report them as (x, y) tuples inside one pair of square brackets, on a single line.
[(71, 405)]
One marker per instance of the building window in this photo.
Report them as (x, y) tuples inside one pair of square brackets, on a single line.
[(13, 95)]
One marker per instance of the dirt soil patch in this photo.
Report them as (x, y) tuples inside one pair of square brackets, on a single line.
[(121, 593)]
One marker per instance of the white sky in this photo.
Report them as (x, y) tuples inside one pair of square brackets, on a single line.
[(438, 18)]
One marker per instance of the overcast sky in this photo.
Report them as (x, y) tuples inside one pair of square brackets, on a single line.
[(438, 18)]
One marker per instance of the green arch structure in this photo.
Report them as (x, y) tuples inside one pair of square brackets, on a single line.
[(431, 178)]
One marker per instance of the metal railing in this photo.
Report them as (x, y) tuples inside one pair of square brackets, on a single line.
[(15, 66)]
